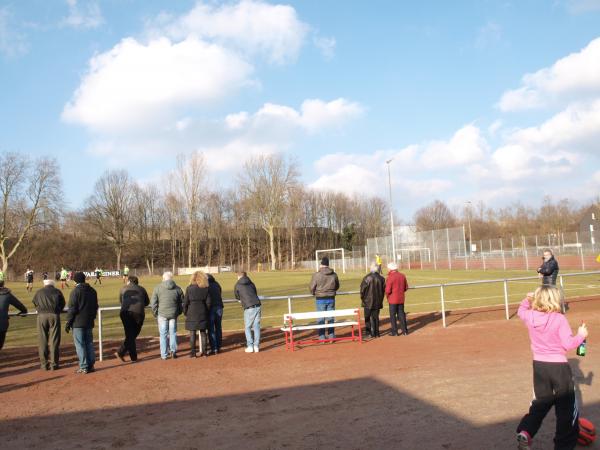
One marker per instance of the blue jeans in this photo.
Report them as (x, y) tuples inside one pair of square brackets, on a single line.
[(167, 327), (215, 332), (84, 346), (252, 323), (326, 304)]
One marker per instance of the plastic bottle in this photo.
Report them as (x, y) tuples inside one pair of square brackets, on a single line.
[(581, 350)]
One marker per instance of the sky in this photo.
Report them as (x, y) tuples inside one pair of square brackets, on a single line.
[(483, 101)]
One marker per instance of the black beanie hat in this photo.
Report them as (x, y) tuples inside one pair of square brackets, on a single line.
[(79, 277), (325, 261)]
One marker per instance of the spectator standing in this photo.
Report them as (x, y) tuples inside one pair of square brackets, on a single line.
[(7, 299), (395, 287), (324, 286), (133, 299), (372, 291), (245, 292), (215, 331), (49, 303), (548, 271), (167, 305), (196, 307), (83, 308)]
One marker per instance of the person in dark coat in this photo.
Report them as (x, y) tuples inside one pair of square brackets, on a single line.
[(245, 292), (396, 286), (49, 303), (548, 271), (196, 307), (134, 299), (215, 331), (372, 291), (83, 308), (324, 284), (7, 299)]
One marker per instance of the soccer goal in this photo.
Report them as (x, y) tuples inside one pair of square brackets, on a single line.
[(334, 262)]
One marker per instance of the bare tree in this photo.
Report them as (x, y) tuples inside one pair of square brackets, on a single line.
[(110, 207), (434, 216), (266, 182), (191, 173), (174, 220), (147, 218), (29, 192)]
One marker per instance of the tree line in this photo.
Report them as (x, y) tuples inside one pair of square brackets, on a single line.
[(267, 216)]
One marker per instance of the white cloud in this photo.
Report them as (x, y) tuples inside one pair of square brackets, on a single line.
[(251, 26), (465, 147), (573, 76), (83, 14), (495, 126), (576, 127), (314, 115), (12, 42), (136, 84)]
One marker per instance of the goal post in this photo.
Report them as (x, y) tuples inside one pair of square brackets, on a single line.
[(331, 250)]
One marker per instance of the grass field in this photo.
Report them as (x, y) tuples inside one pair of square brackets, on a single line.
[(23, 332)]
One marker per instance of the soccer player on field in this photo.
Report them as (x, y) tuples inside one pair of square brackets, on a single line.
[(125, 274), (98, 272), (63, 278), (29, 279)]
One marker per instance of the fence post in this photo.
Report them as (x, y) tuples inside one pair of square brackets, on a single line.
[(564, 296), (525, 253), (483, 259), (580, 247), (506, 299), (503, 257), (289, 305), (434, 250), (443, 305), (448, 246), (100, 347)]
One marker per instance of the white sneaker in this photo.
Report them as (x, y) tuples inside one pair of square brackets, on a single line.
[(249, 350), (256, 350)]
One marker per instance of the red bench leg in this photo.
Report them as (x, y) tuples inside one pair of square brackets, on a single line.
[(359, 326)]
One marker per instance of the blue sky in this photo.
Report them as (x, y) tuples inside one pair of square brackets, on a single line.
[(491, 101)]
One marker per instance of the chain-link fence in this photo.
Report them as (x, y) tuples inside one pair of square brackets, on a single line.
[(450, 249)]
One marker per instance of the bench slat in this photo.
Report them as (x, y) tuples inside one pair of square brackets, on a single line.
[(318, 326), (320, 314)]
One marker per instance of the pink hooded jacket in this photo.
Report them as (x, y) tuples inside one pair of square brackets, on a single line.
[(550, 334)]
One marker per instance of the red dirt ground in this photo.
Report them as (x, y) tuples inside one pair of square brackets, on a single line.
[(464, 387)]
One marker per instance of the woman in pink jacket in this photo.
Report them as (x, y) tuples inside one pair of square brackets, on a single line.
[(551, 338)]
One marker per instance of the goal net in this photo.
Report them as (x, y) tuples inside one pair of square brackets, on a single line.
[(337, 258)]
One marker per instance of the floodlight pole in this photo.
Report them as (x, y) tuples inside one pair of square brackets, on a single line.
[(470, 236), (391, 210)]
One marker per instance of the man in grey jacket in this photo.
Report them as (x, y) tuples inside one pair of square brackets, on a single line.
[(49, 303), (324, 285), (167, 305)]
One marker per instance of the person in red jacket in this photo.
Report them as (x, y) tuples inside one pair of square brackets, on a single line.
[(395, 287)]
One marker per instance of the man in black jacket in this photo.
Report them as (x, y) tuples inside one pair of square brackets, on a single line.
[(245, 292), (549, 269), (372, 291), (134, 298), (324, 284), (49, 303), (7, 299), (83, 307), (215, 331)]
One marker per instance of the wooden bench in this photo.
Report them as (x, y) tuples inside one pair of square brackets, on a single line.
[(290, 326)]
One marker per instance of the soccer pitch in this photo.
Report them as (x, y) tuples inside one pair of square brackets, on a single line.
[(22, 330)]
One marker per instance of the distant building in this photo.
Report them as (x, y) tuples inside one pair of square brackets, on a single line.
[(589, 226)]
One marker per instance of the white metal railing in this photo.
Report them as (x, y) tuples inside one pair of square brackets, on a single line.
[(442, 287)]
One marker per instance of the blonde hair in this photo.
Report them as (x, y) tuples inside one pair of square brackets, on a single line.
[(547, 299), (199, 278)]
